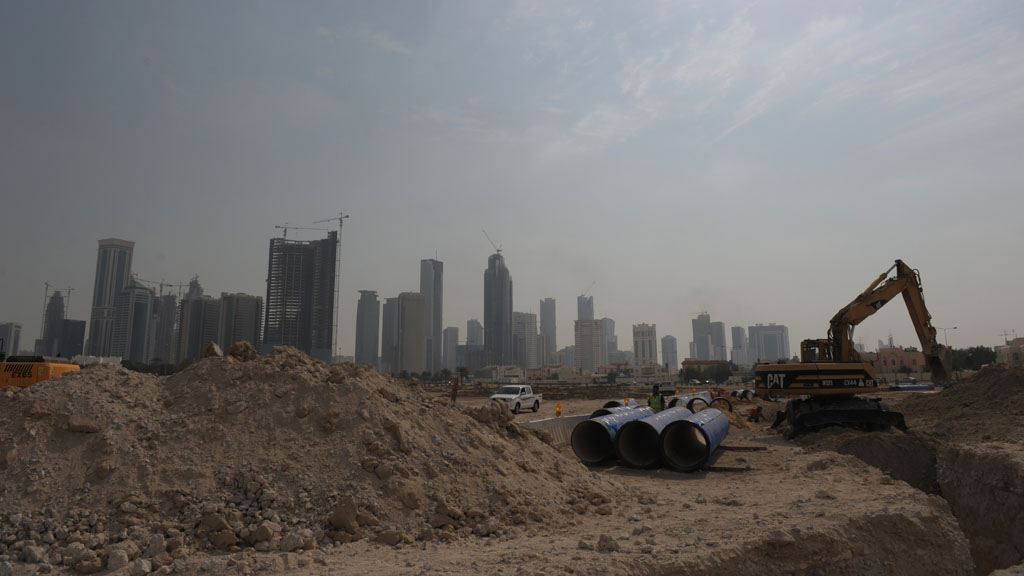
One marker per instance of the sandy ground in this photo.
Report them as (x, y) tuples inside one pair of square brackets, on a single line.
[(282, 465)]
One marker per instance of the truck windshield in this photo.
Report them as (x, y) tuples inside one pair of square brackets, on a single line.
[(509, 390)]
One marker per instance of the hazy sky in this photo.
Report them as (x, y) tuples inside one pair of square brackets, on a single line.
[(763, 162)]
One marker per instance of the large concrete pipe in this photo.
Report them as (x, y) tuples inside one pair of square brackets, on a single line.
[(610, 410), (638, 441), (687, 444), (621, 404), (593, 441)]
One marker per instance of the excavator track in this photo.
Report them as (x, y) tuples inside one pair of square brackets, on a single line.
[(808, 415)]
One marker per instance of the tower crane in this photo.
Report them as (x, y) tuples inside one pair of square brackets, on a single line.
[(286, 227), (589, 288), (496, 247), (67, 302), (337, 277)]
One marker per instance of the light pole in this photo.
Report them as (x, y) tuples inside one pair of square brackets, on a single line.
[(944, 338)]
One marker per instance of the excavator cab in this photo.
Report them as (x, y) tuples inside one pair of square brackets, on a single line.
[(815, 351)]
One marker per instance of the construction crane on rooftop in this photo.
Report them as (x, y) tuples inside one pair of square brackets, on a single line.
[(287, 227), (337, 278), (161, 284), (589, 288), (496, 247)]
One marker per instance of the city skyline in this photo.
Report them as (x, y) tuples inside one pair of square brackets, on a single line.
[(776, 131)]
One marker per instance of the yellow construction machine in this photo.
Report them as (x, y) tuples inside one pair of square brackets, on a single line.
[(24, 371), (831, 373)]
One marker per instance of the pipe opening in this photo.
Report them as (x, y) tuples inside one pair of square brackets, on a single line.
[(638, 445), (684, 446), (591, 442)]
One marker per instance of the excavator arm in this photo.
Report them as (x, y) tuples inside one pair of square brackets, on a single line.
[(907, 282)]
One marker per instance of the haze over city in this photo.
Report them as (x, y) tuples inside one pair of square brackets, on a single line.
[(759, 162)]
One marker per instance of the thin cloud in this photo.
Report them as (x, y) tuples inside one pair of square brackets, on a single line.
[(389, 44)]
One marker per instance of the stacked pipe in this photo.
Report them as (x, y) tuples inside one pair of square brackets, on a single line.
[(675, 437), (593, 440), (638, 442)]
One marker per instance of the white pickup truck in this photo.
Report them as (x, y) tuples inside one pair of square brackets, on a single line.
[(518, 397)]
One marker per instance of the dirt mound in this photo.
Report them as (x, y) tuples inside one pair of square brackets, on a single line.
[(988, 405), (276, 453)]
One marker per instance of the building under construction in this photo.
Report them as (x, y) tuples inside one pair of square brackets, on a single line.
[(300, 295)]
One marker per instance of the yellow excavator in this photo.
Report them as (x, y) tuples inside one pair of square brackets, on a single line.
[(24, 371), (831, 374)]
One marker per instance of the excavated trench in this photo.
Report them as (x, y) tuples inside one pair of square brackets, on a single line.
[(983, 483)]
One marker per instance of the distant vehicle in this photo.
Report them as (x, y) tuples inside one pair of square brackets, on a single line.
[(24, 371), (517, 397)]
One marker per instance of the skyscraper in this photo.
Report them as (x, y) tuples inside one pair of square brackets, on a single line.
[(548, 328), (367, 328), (739, 346), (719, 349), (474, 332), (768, 343), (300, 295), (591, 352), (389, 337), (450, 336), (497, 312), (432, 288), (72, 338), (524, 340), (240, 318), (132, 337), (584, 307), (165, 310), (645, 344), (700, 347), (10, 333), (670, 354), (411, 333), (198, 323), (611, 341), (113, 272), (52, 324)]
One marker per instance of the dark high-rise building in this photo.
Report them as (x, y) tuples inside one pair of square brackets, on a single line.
[(132, 338), (113, 272), (432, 288), (497, 312), (72, 338), (700, 347), (670, 354), (198, 323), (584, 307), (768, 343), (474, 333), (10, 333), (165, 312), (389, 337), (367, 328), (411, 333), (473, 357), (239, 320), (450, 335), (548, 329), (52, 324), (611, 341), (300, 295)]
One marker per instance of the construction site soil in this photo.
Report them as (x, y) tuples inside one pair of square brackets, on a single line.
[(285, 465)]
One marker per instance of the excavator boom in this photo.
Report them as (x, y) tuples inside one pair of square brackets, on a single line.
[(831, 372)]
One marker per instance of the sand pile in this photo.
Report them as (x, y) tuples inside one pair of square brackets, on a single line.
[(279, 453), (988, 405)]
